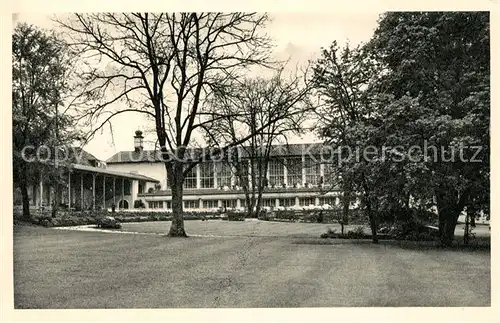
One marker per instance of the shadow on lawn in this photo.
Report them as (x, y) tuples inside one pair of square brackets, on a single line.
[(478, 244)]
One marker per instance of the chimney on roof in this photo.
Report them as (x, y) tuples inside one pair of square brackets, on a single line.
[(138, 141)]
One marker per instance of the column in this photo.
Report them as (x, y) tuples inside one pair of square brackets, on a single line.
[(303, 170), (104, 192), (93, 192), (249, 173), (297, 203), (285, 173), (114, 191), (34, 195), (134, 191), (41, 192), (233, 172), (316, 201), (215, 175), (267, 175), (198, 178), (49, 203), (277, 202), (123, 192)]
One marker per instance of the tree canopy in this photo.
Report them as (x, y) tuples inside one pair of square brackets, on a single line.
[(427, 107), (41, 65)]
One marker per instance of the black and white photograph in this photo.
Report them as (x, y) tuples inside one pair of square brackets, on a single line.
[(250, 160)]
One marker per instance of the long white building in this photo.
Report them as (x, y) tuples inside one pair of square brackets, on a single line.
[(296, 178)]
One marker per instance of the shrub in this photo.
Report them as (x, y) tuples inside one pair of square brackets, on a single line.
[(331, 233), (234, 216), (56, 222), (319, 217), (356, 233), (426, 236), (411, 236), (46, 223), (90, 217), (70, 221), (139, 204), (263, 216)]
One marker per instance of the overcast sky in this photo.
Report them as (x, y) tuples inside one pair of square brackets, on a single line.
[(299, 36)]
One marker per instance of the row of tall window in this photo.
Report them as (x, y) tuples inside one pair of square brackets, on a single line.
[(232, 203), (217, 174), (212, 175)]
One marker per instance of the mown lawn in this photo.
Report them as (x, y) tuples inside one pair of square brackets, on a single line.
[(68, 269)]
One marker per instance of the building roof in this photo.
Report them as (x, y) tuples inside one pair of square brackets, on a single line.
[(153, 156), (105, 171), (80, 156)]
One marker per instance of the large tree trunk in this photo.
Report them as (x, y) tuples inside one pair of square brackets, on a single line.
[(448, 218), (249, 203), (467, 222), (369, 212), (250, 200), (346, 201), (450, 223), (449, 209), (258, 207), (23, 176), (26, 200), (473, 219), (373, 221), (441, 222), (177, 226), (56, 202)]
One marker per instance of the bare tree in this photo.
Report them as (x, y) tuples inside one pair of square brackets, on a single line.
[(164, 66), (269, 108)]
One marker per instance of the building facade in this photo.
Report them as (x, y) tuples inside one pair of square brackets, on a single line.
[(298, 176), (88, 185)]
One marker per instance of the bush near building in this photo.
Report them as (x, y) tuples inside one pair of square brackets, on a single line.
[(92, 217), (75, 218)]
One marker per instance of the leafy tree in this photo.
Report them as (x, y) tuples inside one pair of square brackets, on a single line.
[(40, 67), (341, 77), (165, 66), (441, 61), (424, 111)]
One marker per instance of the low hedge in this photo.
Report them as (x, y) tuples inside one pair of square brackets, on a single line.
[(402, 231), (88, 217), (235, 216), (356, 216), (356, 233)]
